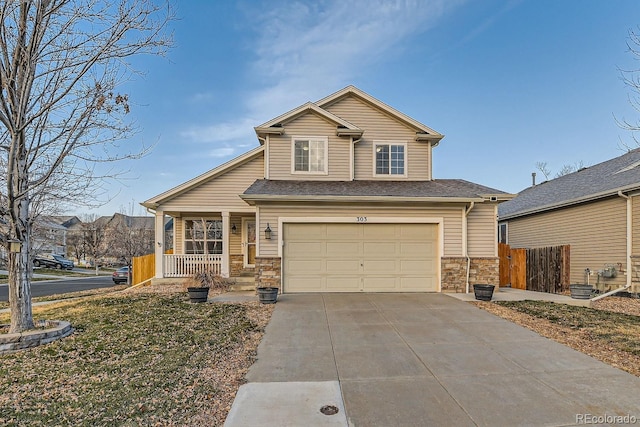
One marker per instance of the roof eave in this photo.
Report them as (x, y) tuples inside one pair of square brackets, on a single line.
[(251, 199)]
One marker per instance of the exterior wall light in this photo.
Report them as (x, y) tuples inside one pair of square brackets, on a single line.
[(267, 232), (234, 229)]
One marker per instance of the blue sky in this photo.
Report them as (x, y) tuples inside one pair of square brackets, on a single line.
[(509, 83)]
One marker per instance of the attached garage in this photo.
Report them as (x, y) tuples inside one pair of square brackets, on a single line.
[(361, 257)]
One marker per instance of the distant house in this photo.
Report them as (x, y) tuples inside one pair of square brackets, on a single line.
[(596, 210), (339, 196), (49, 236)]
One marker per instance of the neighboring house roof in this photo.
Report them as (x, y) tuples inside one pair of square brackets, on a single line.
[(450, 190), (153, 202), (602, 180)]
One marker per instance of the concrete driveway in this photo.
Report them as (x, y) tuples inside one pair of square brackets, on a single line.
[(417, 360)]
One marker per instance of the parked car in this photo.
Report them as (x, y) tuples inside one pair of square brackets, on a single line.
[(121, 275), (53, 261)]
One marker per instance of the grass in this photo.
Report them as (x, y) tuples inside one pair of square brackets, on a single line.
[(616, 331), (133, 359)]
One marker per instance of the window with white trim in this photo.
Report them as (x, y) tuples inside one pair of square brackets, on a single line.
[(309, 155), (202, 236), (390, 159)]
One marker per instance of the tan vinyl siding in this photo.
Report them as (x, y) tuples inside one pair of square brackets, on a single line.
[(280, 147), (451, 215), (482, 240), (636, 225), (178, 235), (379, 126), (221, 192), (596, 232)]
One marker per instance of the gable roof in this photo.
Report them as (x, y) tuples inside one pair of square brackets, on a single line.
[(423, 130), (275, 125), (153, 202), (345, 128), (602, 180), (449, 190)]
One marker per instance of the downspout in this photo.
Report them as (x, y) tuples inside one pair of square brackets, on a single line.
[(629, 235), (466, 246), (353, 157)]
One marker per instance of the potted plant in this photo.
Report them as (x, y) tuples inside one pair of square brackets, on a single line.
[(483, 292), (198, 285)]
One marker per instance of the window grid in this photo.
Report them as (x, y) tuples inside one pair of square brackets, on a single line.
[(202, 236), (390, 159), (309, 156)]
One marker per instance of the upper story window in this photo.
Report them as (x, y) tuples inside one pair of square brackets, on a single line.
[(390, 158), (309, 155), (202, 236)]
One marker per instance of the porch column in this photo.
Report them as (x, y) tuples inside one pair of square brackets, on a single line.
[(159, 243), (225, 244)]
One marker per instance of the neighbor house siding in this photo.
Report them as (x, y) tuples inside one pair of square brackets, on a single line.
[(596, 232), (636, 225), (481, 231), (452, 221), (280, 148), (220, 193), (379, 126)]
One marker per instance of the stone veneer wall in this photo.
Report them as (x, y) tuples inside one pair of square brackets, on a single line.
[(482, 271), (236, 265), (268, 272)]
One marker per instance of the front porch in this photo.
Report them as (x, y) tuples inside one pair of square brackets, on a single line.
[(223, 242)]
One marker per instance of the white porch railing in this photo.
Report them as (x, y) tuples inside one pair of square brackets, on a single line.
[(186, 265)]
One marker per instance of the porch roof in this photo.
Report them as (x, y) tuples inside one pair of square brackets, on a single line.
[(443, 190)]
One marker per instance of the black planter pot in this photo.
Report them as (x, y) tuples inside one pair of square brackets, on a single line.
[(581, 291), (198, 294), (483, 292), (268, 295)]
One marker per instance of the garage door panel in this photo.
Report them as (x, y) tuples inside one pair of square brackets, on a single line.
[(409, 284), (373, 257), (343, 284), (379, 249), (377, 232), (380, 266), (307, 248), (305, 283), (343, 231), (342, 266), (339, 249)]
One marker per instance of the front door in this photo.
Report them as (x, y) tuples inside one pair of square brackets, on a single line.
[(249, 240)]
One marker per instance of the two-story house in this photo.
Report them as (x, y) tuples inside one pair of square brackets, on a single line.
[(338, 197)]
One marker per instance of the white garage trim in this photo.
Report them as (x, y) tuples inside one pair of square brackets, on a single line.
[(368, 220)]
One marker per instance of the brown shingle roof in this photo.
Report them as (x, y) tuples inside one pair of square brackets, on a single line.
[(441, 188)]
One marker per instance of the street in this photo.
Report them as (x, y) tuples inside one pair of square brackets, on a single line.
[(72, 284)]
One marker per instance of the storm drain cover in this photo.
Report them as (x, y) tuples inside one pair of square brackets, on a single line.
[(329, 410)]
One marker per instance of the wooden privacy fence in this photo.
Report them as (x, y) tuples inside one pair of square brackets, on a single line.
[(144, 268), (537, 269)]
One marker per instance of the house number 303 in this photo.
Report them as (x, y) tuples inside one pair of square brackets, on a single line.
[(361, 219)]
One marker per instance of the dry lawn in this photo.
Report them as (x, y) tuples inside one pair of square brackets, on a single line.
[(609, 331), (134, 359)]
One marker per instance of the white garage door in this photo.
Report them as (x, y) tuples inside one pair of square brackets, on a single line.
[(360, 257)]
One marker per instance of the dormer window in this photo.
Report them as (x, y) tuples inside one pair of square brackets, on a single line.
[(390, 158), (309, 155)]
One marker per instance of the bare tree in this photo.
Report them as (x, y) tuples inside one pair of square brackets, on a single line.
[(94, 236), (130, 237), (564, 170), (61, 63), (631, 78)]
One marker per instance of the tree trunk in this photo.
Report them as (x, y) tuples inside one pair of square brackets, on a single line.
[(19, 283)]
